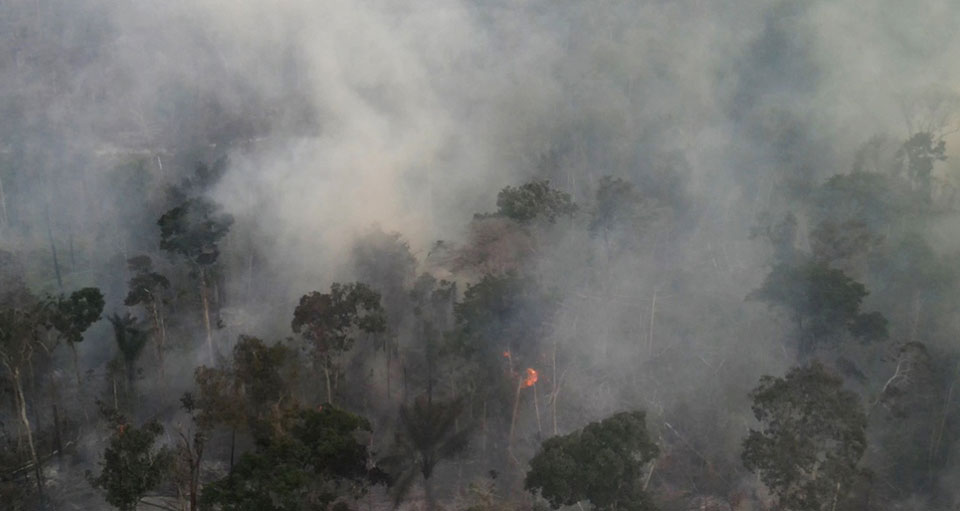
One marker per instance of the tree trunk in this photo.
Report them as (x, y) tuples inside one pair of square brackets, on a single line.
[(161, 331), (233, 444), (25, 422), (57, 441), (326, 375), (76, 363), (206, 313), (53, 252), (3, 206), (428, 493)]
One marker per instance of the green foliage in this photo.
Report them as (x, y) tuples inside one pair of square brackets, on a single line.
[(811, 438), (132, 465), (130, 339), (620, 209), (193, 230), (331, 320), (146, 284), (254, 390), (602, 463), (502, 312), (841, 242), (72, 316), (823, 301), (875, 199), (429, 435), (315, 459), (918, 155), (533, 200)]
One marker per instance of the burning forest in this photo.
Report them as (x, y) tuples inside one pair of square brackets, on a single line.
[(479, 255)]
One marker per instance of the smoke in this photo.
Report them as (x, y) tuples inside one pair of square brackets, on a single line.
[(339, 115)]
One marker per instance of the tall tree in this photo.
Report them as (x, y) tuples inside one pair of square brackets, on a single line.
[(603, 463), (72, 316), (813, 433), (147, 288), (824, 304), (533, 200), (330, 322), (428, 435), (318, 456), (132, 464), (193, 230), (130, 342)]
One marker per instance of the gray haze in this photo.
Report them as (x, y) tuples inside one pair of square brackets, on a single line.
[(339, 116)]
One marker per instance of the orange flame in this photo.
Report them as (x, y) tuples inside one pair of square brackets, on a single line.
[(530, 378), (506, 354)]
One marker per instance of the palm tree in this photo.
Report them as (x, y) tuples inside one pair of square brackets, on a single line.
[(428, 435)]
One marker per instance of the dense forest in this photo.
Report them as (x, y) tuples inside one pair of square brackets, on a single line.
[(479, 255)]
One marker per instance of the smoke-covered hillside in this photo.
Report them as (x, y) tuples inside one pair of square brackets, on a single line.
[(485, 255)]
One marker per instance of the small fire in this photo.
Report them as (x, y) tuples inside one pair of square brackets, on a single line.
[(506, 354), (530, 378)]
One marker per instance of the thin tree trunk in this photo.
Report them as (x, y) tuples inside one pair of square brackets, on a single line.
[(389, 359), (428, 493), (3, 206), (161, 331), (57, 441), (233, 445), (653, 313), (206, 313), (25, 422), (536, 408), (555, 383), (76, 363), (53, 251), (326, 376), (513, 422)]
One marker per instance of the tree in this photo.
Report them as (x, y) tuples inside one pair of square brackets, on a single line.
[(147, 288), (813, 433), (620, 210), (823, 301), (132, 465), (73, 315), (25, 324), (603, 462), (428, 435), (918, 155), (384, 261), (331, 321), (23, 320), (130, 342), (533, 200), (309, 464), (193, 229), (253, 393)]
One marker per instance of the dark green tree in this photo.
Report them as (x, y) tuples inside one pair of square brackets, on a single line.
[(130, 341), (330, 322), (533, 200), (822, 301), (317, 457), (72, 316), (428, 436), (813, 433), (620, 211), (147, 288), (193, 230), (132, 464), (251, 394), (918, 155), (23, 320), (602, 463)]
